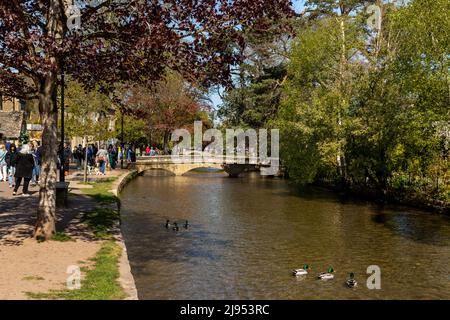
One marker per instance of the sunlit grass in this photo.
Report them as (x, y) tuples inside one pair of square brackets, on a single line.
[(100, 282), (61, 237), (100, 191)]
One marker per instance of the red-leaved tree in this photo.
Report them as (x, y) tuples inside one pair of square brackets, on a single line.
[(170, 103), (118, 40)]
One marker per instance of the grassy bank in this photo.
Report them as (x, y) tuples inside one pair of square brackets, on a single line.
[(100, 281), (100, 191)]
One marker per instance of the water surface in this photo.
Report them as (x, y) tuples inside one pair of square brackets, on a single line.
[(246, 235)]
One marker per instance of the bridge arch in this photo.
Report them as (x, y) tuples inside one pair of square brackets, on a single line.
[(178, 169), (234, 169)]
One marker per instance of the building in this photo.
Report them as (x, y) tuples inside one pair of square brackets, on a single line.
[(12, 125), (12, 119), (12, 104)]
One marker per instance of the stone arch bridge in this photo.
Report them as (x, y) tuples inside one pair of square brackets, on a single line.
[(183, 164)]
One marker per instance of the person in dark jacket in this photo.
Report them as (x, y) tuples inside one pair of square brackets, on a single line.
[(67, 158), (11, 160), (24, 169)]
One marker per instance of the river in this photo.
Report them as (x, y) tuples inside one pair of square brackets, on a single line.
[(247, 234)]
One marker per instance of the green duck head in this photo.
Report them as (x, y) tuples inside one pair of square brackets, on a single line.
[(330, 269), (305, 267)]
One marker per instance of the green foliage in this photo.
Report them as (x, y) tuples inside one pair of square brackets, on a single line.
[(89, 113), (385, 106), (101, 221), (256, 104), (24, 138), (61, 237), (255, 100), (365, 107), (134, 129), (316, 111), (100, 191)]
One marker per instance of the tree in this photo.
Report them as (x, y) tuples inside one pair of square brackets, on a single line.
[(135, 130), (255, 97), (405, 95), (315, 113), (88, 113), (387, 113), (170, 104), (118, 40)]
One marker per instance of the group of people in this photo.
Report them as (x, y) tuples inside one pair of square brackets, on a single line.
[(97, 157), (20, 164), (149, 151), (23, 164)]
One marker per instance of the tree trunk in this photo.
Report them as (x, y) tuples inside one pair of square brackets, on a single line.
[(342, 162), (166, 141), (46, 215), (47, 85)]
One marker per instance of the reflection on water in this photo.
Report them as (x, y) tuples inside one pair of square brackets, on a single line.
[(246, 235)]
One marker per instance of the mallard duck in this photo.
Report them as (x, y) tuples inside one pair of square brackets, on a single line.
[(326, 275), (351, 283), (301, 272), (175, 227), (186, 225), (167, 224)]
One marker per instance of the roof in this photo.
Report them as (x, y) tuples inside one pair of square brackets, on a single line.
[(11, 124)]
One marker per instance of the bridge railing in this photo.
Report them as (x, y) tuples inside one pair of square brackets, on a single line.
[(215, 159)]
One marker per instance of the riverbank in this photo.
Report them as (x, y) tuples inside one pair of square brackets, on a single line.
[(88, 238), (414, 200)]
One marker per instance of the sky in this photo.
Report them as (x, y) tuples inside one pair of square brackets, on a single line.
[(215, 98)]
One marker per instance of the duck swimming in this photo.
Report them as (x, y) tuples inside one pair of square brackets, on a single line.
[(351, 283), (301, 272), (167, 224), (175, 227), (326, 275), (186, 225)]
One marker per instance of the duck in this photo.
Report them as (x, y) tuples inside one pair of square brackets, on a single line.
[(326, 275), (167, 224), (351, 283), (186, 225), (301, 272), (175, 227)]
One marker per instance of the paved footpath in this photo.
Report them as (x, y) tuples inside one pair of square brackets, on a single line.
[(29, 266)]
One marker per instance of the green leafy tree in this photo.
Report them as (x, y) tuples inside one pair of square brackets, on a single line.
[(315, 114), (255, 98), (89, 113)]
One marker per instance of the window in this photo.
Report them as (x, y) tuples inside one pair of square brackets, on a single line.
[(23, 105)]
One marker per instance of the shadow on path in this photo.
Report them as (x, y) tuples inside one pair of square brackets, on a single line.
[(18, 216)]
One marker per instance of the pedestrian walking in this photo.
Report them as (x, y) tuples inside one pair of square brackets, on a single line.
[(102, 156), (3, 166), (36, 153), (11, 160), (78, 156), (24, 169), (67, 158), (112, 156)]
